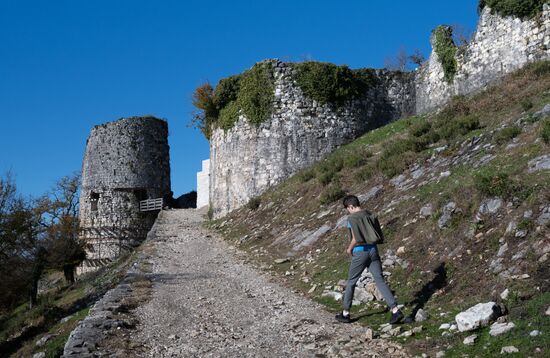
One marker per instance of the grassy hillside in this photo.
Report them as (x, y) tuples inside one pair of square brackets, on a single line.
[(475, 151)]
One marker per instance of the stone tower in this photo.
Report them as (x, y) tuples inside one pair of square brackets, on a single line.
[(126, 161)]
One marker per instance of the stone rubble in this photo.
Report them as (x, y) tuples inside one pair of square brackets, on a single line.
[(477, 316)]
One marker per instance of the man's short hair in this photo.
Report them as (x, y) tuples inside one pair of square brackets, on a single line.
[(351, 200)]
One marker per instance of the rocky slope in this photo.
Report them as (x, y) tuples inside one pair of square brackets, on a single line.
[(463, 195)]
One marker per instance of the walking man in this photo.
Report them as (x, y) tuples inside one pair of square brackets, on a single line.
[(365, 235)]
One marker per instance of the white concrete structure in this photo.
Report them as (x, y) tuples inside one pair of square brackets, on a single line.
[(203, 185)]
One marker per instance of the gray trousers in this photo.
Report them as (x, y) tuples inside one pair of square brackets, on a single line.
[(359, 262)]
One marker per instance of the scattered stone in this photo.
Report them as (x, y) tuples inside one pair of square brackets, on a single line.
[(418, 329), (39, 355), (395, 331), (521, 233), (490, 206), (426, 211), (470, 339), (502, 250), (445, 326), (500, 328), (448, 211), (539, 163), (477, 316), (504, 295), (511, 227), (527, 214), (453, 327), (440, 354), (400, 250), (445, 174), (312, 289), (369, 334), (337, 296), (282, 261), (534, 333), (42, 341), (544, 217), (420, 315), (66, 319), (509, 349)]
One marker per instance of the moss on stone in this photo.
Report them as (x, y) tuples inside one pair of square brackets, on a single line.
[(256, 93), (517, 8), (446, 49), (228, 116)]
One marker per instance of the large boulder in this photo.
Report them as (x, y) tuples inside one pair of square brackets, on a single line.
[(477, 316)]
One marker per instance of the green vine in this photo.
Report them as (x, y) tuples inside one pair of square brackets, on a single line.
[(517, 8), (446, 49), (329, 83)]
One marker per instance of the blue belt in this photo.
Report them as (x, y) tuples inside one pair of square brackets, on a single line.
[(363, 248)]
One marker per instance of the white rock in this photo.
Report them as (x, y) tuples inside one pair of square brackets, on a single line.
[(539, 163), (420, 315), (445, 326), (502, 250), (337, 296), (400, 250), (39, 355), (470, 339), (509, 349), (500, 328), (547, 311), (426, 211), (490, 206), (534, 333), (477, 316), (504, 295)]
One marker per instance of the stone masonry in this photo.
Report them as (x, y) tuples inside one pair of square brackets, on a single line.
[(248, 159), (125, 161), (499, 46)]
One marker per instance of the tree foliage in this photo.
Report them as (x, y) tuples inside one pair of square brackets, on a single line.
[(516, 8)]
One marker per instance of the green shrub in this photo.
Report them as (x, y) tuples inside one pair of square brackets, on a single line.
[(506, 134), (207, 114), (329, 83), (420, 127), (331, 165), (326, 177), (366, 172), (490, 182), (526, 104), (228, 116), (226, 91), (445, 49), (395, 165), (306, 175), (449, 129), (356, 159), (545, 131), (516, 8), (254, 203), (256, 93), (331, 194)]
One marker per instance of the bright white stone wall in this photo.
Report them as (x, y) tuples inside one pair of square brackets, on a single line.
[(203, 185)]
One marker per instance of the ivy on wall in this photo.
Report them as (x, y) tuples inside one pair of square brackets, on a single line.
[(516, 8), (446, 49), (332, 84)]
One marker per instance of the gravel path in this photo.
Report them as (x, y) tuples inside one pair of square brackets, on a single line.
[(207, 303)]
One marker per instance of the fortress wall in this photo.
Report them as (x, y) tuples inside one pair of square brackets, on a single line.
[(500, 46), (248, 159)]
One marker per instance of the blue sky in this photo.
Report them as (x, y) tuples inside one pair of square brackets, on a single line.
[(66, 66)]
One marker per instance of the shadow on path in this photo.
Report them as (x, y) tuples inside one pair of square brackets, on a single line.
[(426, 292)]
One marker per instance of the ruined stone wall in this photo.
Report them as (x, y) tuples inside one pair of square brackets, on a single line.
[(499, 46), (125, 161), (248, 159)]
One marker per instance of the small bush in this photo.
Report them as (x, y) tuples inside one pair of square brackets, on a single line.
[(445, 49), (329, 83), (306, 175), (516, 8), (494, 183), (393, 165), (331, 165), (545, 131), (366, 172), (256, 93), (331, 194), (526, 104), (419, 128), (506, 134), (228, 116), (254, 203), (356, 159), (458, 126), (226, 91), (326, 177)]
